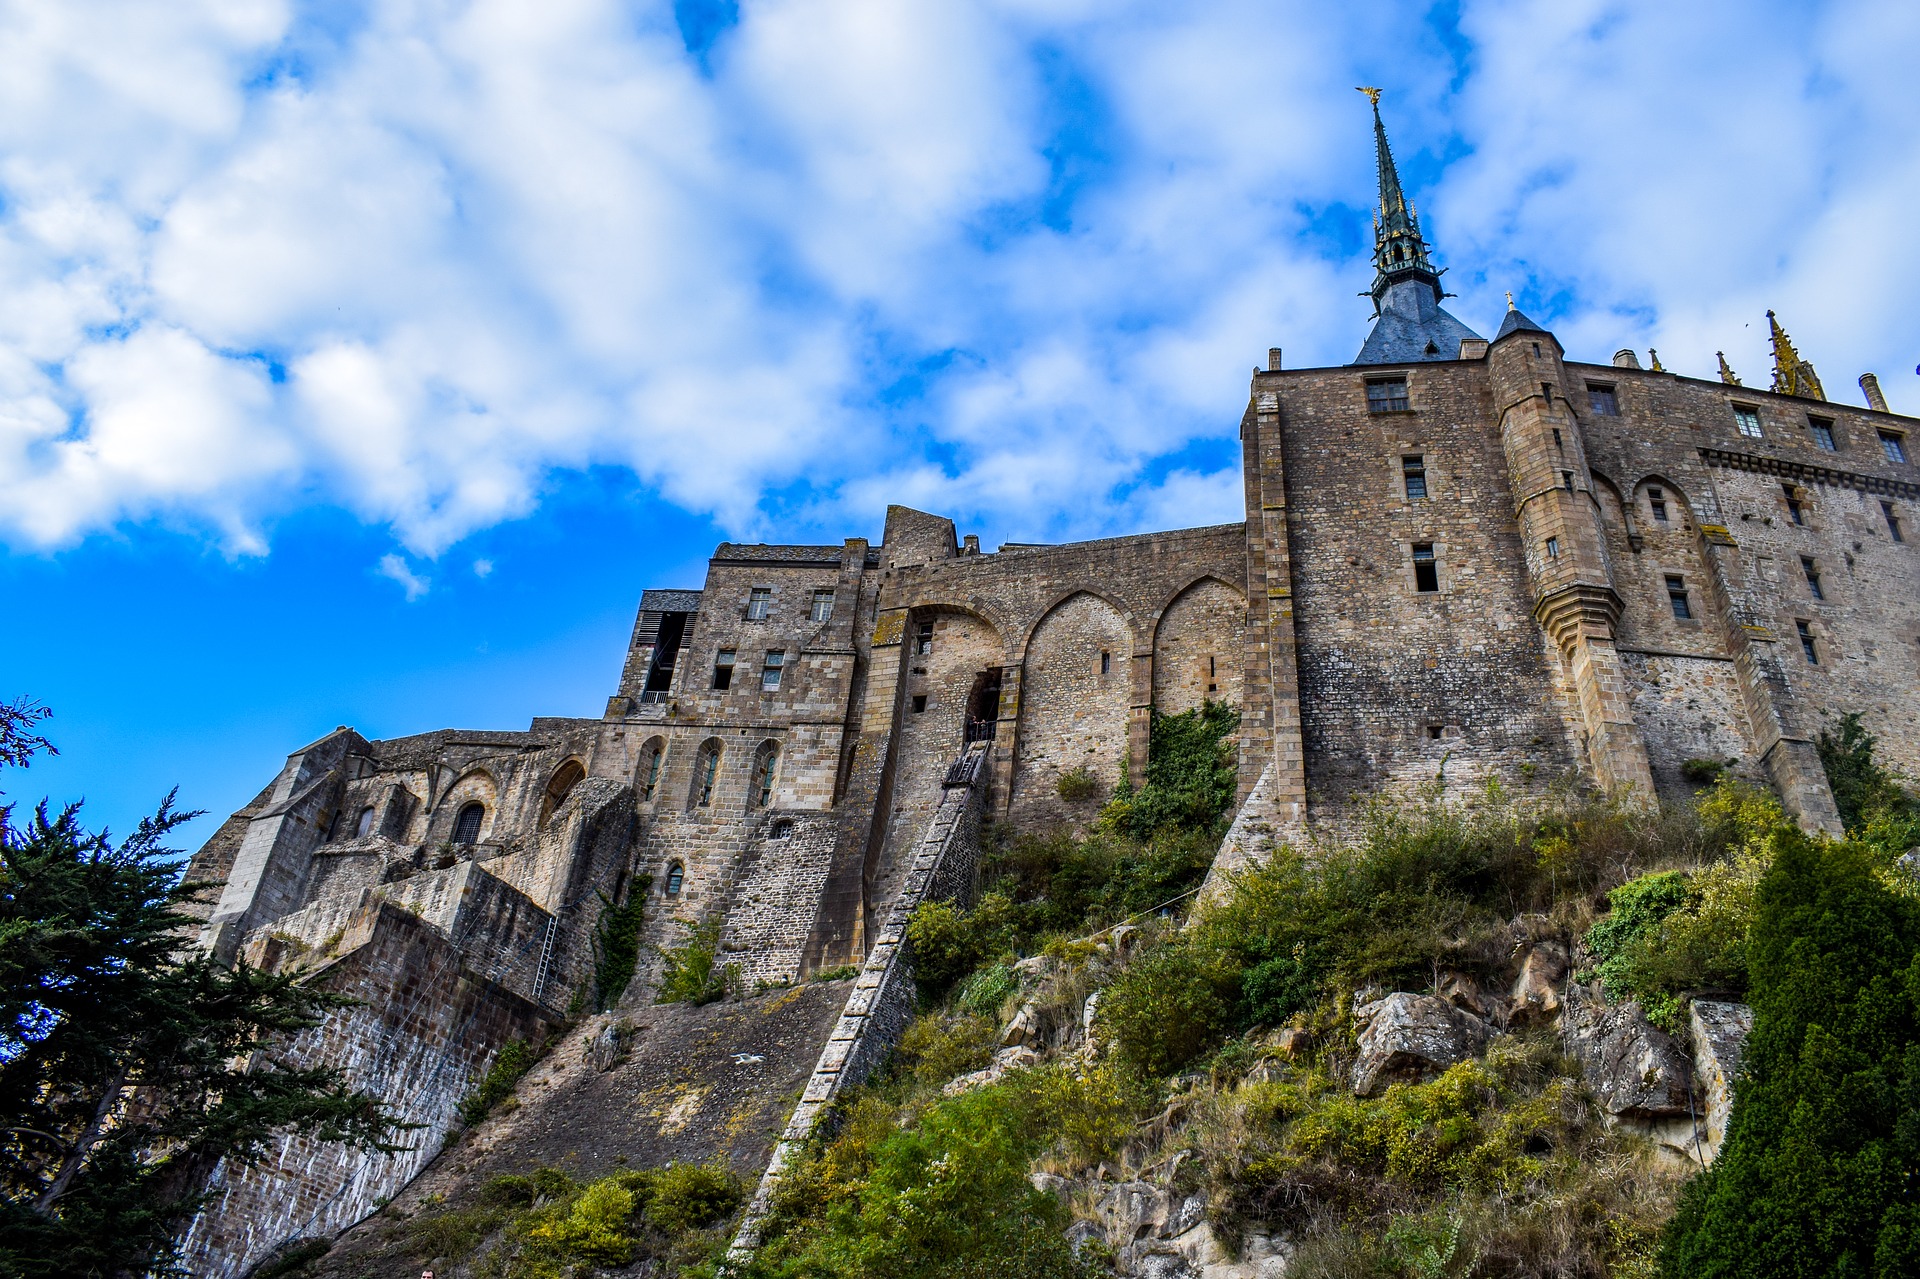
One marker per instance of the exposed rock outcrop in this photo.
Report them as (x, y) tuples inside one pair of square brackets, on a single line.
[(1635, 1069), (1720, 1033), (1406, 1037)]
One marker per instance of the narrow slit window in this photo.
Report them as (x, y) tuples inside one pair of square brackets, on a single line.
[(676, 877), (1748, 420), (1557, 441), (1796, 509), (1213, 674), (1566, 478), (364, 826), (1812, 571), (650, 770), (1426, 569), (1413, 467), (1677, 597), (1893, 521), (759, 603), (1822, 433), (1553, 548), (770, 669), (763, 778), (1603, 401), (709, 772), (822, 606), (1806, 643), (1657, 499), (1536, 350), (1893, 446), (723, 669), (1106, 661), (1387, 395), (1546, 393), (923, 640)]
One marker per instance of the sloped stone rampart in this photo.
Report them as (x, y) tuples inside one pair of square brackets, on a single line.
[(881, 1002)]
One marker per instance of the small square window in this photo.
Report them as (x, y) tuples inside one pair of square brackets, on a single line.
[(1677, 597), (1553, 548), (1812, 571), (1822, 433), (1893, 520), (919, 703), (1413, 467), (822, 606), (923, 639), (723, 669), (1601, 397), (1806, 643), (1434, 731), (1387, 395), (1894, 447), (759, 603), (770, 670), (1748, 420), (1657, 499), (1426, 569)]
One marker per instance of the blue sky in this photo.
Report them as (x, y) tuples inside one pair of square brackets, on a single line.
[(360, 362)]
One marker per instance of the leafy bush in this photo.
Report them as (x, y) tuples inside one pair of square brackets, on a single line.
[(1862, 788), (616, 943), (1170, 1006), (1702, 772), (691, 975), (1089, 1108), (937, 1048), (686, 1197), (514, 1059), (596, 1227), (1823, 1149), (1191, 777), (948, 943), (1077, 784)]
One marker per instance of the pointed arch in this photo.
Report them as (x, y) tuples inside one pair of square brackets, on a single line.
[(1198, 648), (559, 786)]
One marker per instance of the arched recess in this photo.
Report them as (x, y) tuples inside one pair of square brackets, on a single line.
[(704, 787), (766, 768), (478, 787), (1075, 696), (1198, 648), (559, 786), (652, 767)]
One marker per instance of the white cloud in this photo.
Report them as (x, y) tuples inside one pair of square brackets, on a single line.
[(996, 257), (396, 569)]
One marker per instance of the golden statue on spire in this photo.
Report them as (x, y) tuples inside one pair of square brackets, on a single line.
[(1791, 374), (1373, 95)]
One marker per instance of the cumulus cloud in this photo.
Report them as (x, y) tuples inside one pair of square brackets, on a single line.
[(1009, 259), (394, 568)]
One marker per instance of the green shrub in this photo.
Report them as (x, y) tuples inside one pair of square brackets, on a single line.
[(1191, 776), (936, 1048), (1170, 1006), (1862, 788), (692, 976), (841, 973), (948, 943), (1089, 1108), (616, 943), (987, 990), (1823, 1149), (513, 1060), (1702, 772), (511, 1190), (686, 1197), (1077, 784), (596, 1226)]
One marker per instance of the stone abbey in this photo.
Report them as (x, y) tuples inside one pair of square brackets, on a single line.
[(1462, 558)]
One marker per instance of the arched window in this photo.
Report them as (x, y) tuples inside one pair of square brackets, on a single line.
[(676, 876), (765, 762), (363, 826), (466, 827), (706, 771), (564, 779), (651, 757)]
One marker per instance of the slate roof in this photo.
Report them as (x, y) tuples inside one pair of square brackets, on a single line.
[(1411, 321)]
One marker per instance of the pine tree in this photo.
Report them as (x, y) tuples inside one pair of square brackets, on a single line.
[(131, 1062), (1820, 1174)]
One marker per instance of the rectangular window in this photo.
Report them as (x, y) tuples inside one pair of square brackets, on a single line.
[(1822, 433), (1387, 395), (1894, 446), (1657, 499), (1677, 597), (1553, 548), (770, 670), (1426, 570), (1546, 393), (1557, 441), (723, 668), (1566, 478), (1601, 397), (1748, 420), (759, 603), (1414, 468), (1106, 661), (1806, 643), (1808, 567), (822, 606), (1893, 521), (919, 703), (1796, 511), (923, 640)]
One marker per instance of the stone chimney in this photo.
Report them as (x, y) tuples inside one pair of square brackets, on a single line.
[(1876, 400), (1273, 359), (1624, 358)]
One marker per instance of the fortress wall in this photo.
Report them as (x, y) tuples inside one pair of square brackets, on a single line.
[(1199, 653), (425, 1029), (777, 896), (1381, 665), (1689, 708), (1076, 699)]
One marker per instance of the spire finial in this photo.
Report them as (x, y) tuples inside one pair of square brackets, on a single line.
[(1510, 305), (1727, 374), (1373, 94), (1791, 374), (1654, 356)]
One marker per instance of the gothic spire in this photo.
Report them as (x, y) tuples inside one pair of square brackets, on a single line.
[(1727, 374), (1791, 374), (1399, 252)]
